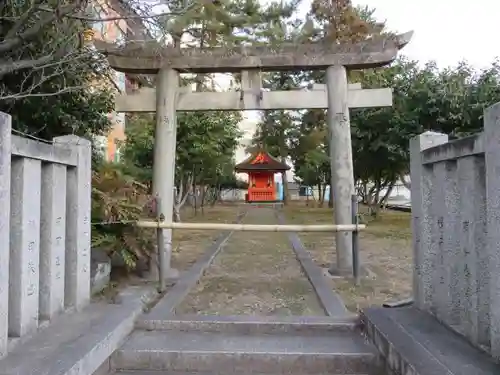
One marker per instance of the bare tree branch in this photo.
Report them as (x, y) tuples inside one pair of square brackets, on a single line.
[(11, 66), (42, 43), (135, 17), (22, 21), (10, 44), (42, 94)]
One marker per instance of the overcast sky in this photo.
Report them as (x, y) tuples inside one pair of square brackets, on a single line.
[(445, 30)]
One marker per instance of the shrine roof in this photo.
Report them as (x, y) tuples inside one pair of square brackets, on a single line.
[(261, 160)]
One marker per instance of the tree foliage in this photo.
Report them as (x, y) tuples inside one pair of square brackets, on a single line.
[(450, 100), (206, 143), (117, 200), (46, 71)]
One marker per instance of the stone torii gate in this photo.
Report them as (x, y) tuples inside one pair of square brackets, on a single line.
[(336, 96)]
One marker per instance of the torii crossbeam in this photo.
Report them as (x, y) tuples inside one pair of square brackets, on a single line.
[(253, 98), (337, 96)]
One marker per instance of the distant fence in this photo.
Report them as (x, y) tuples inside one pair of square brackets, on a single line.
[(44, 229), (455, 193)]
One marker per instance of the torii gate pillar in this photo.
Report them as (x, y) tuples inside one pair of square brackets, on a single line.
[(341, 163), (164, 165)]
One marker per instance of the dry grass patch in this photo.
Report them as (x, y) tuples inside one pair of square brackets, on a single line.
[(255, 274), (189, 245), (385, 248)]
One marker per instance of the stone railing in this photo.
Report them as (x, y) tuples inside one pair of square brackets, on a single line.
[(44, 230), (456, 230)]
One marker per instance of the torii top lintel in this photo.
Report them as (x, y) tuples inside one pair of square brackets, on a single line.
[(149, 57), (261, 161)]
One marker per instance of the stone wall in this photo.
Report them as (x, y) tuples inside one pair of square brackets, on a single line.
[(45, 207), (456, 230)]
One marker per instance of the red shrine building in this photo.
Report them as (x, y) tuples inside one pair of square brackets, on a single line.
[(261, 168)]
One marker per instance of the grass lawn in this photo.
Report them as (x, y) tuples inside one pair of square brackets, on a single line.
[(189, 245), (385, 249)]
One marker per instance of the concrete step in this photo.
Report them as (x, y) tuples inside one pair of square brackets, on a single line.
[(77, 342), (339, 353), (153, 372), (244, 324)]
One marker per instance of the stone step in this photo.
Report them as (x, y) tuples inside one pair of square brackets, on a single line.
[(77, 342), (153, 372), (244, 324), (339, 353)]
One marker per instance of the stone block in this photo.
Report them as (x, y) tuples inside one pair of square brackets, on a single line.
[(24, 261), (491, 274), (421, 187), (52, 240), (413, 342), (474, 297), (5, 156), (78, 210)]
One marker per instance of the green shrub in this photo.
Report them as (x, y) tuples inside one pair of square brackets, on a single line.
[(117, 202)]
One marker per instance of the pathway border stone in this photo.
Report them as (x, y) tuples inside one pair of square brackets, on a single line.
[(330, 301), (167, 305)]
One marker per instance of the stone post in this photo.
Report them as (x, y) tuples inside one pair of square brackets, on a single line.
[(78, 210), (341, 163), (52, 240), (491, 274), (473, 257), (5, 156), (164, 161), (24, 245), (421, 202)]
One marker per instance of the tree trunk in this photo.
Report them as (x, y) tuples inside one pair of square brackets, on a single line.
[(203, 198), (284, 181), (364, 192), (181, 197), (406, 182), (194, 195), (177, 206), (369, 199), (323, 194), (375, 201), (330, 198), (383, 202)]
